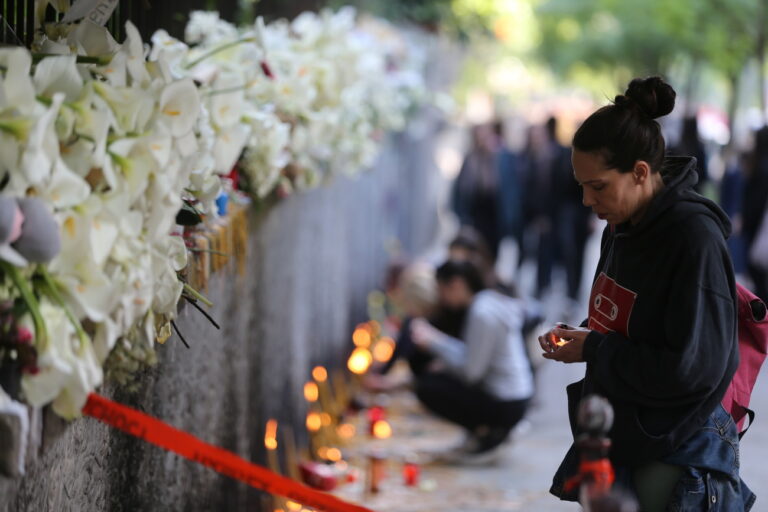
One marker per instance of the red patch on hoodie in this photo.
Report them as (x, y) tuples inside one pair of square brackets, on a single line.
[(610, 306)]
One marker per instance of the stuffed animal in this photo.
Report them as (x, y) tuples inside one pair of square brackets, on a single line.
[(28, 231)]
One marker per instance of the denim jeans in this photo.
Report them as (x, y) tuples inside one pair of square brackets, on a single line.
[(711, 459), (710, 480)]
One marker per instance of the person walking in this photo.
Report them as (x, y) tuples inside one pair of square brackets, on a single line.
[(660, 341), (754, 206), (475, 194)]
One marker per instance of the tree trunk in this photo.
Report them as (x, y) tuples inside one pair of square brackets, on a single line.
[(689, 109), (733, 103), (762, 79)]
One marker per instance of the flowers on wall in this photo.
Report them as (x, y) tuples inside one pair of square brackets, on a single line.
[(112, 140)]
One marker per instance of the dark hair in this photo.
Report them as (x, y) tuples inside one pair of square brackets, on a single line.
[(466, 270), (470, 239), (626, 131)]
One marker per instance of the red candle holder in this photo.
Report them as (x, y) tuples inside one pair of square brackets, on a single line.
[(411, 473), (375, 413)]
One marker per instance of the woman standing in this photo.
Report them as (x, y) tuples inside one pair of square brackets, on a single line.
[(660, 341)]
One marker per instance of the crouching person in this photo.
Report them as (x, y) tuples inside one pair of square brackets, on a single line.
[(482, 382)]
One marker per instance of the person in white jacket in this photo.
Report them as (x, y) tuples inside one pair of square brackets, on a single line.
[(482, 382)]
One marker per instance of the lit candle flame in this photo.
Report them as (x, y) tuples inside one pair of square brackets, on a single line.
[(359, 361), (270, 436), (382, 430), (311, 392), (361, 337), (320, 374), (333, 454), (314, 422), (384, 349), (346, 430), (292, 505)]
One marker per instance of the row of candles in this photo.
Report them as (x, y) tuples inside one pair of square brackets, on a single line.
[(329, 429)]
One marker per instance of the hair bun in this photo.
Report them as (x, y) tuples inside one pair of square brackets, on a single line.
[(653, 96)]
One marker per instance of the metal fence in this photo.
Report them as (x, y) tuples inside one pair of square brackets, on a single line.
[(17, 17)]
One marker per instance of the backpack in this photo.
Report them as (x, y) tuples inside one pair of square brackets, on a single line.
[(753, 347)]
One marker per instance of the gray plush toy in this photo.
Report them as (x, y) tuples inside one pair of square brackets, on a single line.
[(28, 231)]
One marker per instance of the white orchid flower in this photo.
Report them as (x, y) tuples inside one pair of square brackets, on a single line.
[(169, 257), (54, 361), (64, 188), (207, 28), (169, 51), (17, 90), (160, 146), (92, 39), (116, 71), (85, 377), (58, 74), (133, 47), (229, 144), (179, 107), (227, 99), (107, 333), (42, 148), (132, 108)]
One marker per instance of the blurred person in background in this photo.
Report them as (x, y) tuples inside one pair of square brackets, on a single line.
[(486, 381), (755, 200), (485, 194), (469, 245), (540, 204), (414, 293), (573, 222), (511, 178), (690, 145), (732, 202)]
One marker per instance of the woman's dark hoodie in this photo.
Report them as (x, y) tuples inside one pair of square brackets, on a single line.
[(669, 284)]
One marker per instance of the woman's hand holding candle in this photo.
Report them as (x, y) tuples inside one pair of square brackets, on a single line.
[(564, 344)]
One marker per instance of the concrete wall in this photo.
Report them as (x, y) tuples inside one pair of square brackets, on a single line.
[(312, 260)]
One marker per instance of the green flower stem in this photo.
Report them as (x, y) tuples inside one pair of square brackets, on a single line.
[(196, 294), (218, 49), (226, 90), (52, 290), (28, 296), (81, 59), (210, 251)]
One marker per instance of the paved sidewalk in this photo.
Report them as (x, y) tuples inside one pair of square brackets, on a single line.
[(519, 480)]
